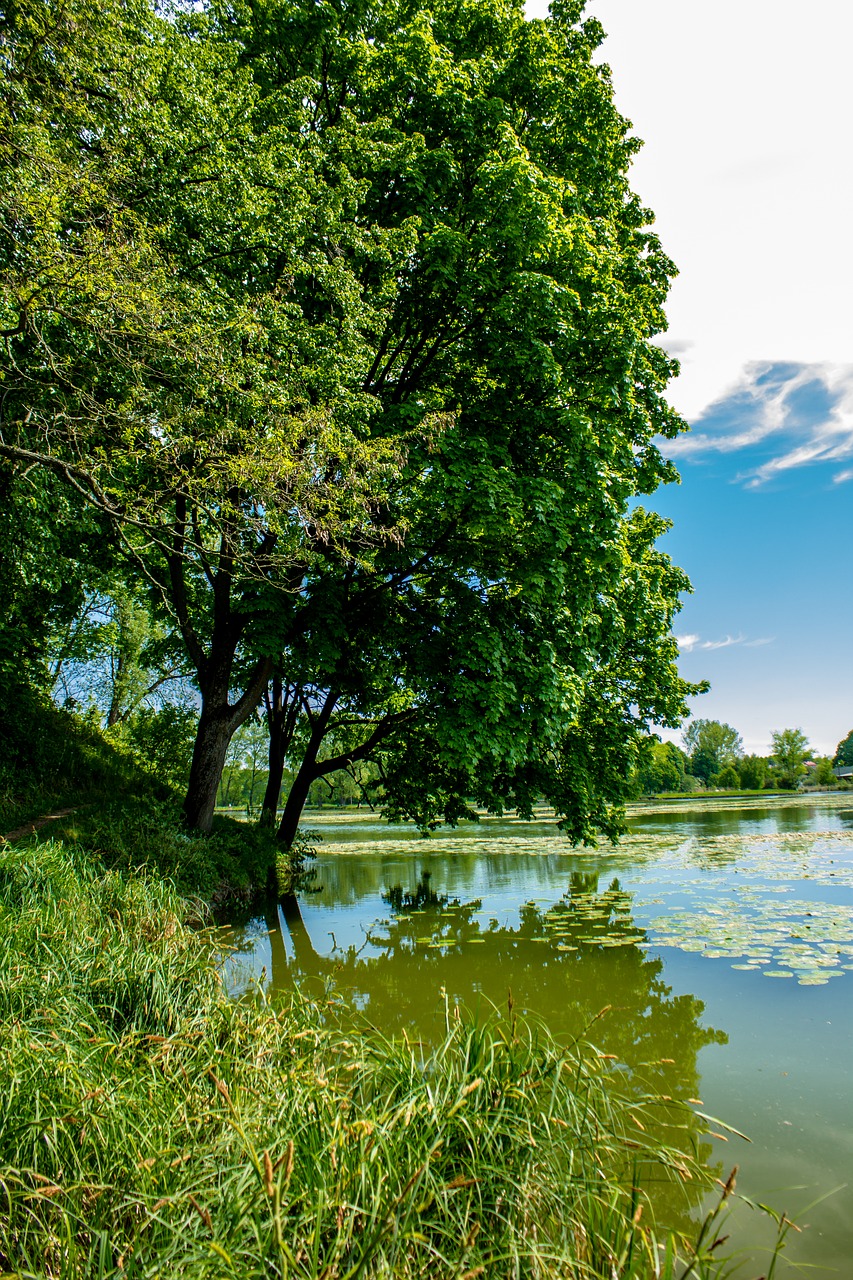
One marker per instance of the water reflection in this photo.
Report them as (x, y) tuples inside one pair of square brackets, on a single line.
[(566, 963), (732, 817), (727, 896), (578, 964)]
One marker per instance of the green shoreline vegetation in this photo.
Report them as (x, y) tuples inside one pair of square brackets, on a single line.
[(150, 1125)]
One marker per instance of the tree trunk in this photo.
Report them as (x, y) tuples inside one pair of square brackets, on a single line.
[(211, 744), (282, 705), (276, 708), (214, 664), (217, 725), (308, 771), (269, 808), (114, 713), (296, 803)]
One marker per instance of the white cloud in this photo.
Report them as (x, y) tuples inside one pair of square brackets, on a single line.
[(768, 406), (745, 112), (690, 642)]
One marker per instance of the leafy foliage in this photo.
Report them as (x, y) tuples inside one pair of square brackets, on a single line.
[(728, 778), (823, 775), (844, 751), (711, 745), (343, 323), (662, 768), (790, 751), (753, 772)]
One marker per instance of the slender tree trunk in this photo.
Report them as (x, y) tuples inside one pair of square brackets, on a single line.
[(308, 771), (114, 713), (282, 704), (269, 809), (297, 796)]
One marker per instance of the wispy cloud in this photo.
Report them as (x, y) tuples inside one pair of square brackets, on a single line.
[(690, 642), (797, 414)]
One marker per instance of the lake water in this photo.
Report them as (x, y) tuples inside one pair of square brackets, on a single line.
[(711, 952)]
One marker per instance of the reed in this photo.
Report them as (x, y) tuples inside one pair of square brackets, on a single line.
[(152, 1127)]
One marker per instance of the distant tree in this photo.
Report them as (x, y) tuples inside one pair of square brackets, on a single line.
[(823, 775), (703, 763), (790, 751), (728, 778), (244, 776), (711, 745), (844, 751), (662, 768), (110, 653), (753, 772)]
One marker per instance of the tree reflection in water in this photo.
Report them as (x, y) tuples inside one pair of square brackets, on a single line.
[(579, 965)]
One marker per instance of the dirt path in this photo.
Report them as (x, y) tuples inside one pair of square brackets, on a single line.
[(30, 828)]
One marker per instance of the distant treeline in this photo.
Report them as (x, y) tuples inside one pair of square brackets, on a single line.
[(713, 757)]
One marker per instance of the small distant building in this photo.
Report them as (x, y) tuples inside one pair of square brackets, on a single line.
[(843, 771)]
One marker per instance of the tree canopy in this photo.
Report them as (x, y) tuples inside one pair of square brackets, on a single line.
[(341, 323), (711, 746), (790, 749)]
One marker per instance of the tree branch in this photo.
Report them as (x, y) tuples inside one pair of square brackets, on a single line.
[(175, 563), (253, 692), (382, 730)]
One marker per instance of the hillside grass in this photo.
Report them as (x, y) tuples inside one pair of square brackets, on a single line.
[(52, 759), (122, 815)]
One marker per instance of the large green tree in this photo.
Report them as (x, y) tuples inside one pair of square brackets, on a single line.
[(521, 625), (711, 745), (661, 767), (344, 317), (752, 771), (790, 749), (178, 330)]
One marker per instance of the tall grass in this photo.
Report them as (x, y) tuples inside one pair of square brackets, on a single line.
[(150, 1127)]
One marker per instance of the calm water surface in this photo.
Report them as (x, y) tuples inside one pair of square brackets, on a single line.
[(718, 937)]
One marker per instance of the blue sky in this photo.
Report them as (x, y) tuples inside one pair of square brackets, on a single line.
[(745, 108), (761, 522)]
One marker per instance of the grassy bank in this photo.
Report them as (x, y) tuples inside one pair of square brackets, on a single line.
[(152, 1127), (121, 813), (149, 1126), (52, 759)]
